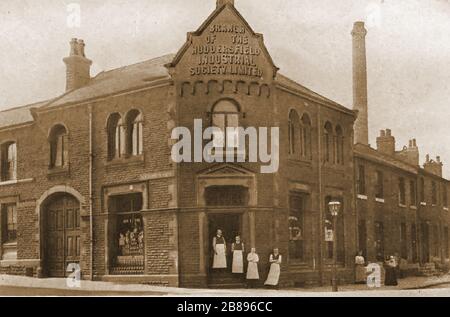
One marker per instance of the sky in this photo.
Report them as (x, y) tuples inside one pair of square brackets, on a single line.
[(408, 49)]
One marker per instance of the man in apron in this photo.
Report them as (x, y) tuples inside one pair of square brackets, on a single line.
[(220, 250)]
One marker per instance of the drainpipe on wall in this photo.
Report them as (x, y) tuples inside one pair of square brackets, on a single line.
[(91, 198)]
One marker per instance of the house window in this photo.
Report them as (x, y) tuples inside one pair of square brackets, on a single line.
[(226, 117), (436, 241), (8, 162), (413, 192), (422, 190), (116, 137), (362, 237), (444, 196), (403, 242), (379, 241), (296, 226), (434, 199), (306, 137), (339, 146), (379, 187), (415, 257), (59, 154), (135, 141), (401, 191), (328, 143), (361, 180), (9, 223)]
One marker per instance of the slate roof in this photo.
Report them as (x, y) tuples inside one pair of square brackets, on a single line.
[(123, 79)]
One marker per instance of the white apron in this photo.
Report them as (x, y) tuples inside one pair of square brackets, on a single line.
[(274, 273), (220, 259), (252, 270), (238, 262)]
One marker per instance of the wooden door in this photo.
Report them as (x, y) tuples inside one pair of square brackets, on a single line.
[(62, 235)]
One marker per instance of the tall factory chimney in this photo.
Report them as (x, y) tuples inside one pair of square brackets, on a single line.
[(360, 83)]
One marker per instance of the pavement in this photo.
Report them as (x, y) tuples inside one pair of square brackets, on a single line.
[(25, 286)]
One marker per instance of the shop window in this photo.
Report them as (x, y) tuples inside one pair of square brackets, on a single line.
[(128, 234), (379, 241), (59, 147), (135, 130), (401, 191), (8, 162), (116, 137), (296, 226), (226, 196), (379, 187)]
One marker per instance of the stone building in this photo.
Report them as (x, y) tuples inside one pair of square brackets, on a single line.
[(88, 177)]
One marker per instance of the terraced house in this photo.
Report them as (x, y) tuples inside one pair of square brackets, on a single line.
[(88, 177)]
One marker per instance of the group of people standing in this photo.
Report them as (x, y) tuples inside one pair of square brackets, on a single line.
[(237, 267), (391, 267)]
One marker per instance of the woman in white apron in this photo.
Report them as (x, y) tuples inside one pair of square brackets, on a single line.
[(274, 274), (238, 249), (252, 270), (220, 250)]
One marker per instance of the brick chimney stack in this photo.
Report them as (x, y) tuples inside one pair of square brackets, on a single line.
[(433, 167), (410, 153), (386, 142), (221, 3), (360, 99), (78, 67)]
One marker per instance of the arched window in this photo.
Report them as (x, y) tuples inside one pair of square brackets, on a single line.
[(294, 130), (115, 136), (225, 116), (339, 145), (8, 162), (59, 148), (135, 129), (306, 137), (328, 143)]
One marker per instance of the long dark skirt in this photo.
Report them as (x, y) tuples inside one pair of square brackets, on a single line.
[(391, 276)]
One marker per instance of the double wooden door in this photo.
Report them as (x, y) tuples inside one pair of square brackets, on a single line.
[(63, 235)]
